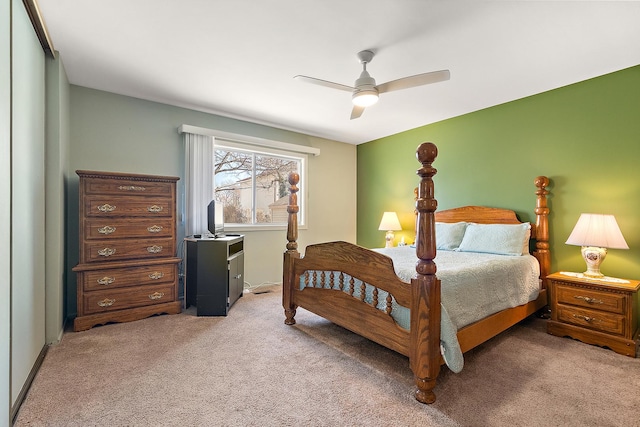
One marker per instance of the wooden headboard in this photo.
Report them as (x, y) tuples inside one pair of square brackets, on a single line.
[(488, 215)]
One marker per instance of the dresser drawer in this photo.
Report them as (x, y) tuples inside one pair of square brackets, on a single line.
[(101, 186), (108, 250), (135, 206), (118, 299), (106, 228), (599, 320), (599, 300), (99, 280)]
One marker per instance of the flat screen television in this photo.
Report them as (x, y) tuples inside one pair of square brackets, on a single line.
[(215, 218)]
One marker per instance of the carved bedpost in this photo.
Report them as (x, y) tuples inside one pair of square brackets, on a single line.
[(288, 275), (424, 354), (542, 229), (415, 221)]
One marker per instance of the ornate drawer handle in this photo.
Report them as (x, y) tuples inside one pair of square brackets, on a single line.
[(106, 280), (107, 229), (589, 299), (156, 275), (106, 252), (585, 318), (154, 249), (156, 295), (106, 208), (106, 302), (155, 208), (154, 229), (131, 188)]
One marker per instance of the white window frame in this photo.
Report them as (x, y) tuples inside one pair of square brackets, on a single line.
[(221, 143)]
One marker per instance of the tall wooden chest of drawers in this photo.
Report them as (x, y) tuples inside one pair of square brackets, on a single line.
[(128, 268)]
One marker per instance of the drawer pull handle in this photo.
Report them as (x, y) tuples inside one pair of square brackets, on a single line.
[(589, 300), (156, 275), (106, 280), (156, 295), (131, 188), (106, 252), (155, 208), (106, 302), (154, 229), (107, 229), (106, 208), (585, 318), (154, 249)]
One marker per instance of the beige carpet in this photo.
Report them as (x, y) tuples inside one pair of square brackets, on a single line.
[(249, 369)]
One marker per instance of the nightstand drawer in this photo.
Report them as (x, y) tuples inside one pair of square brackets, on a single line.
[(593, 319), (608, 301)]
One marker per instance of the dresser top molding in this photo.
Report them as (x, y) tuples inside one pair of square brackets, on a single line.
[(127, 176)]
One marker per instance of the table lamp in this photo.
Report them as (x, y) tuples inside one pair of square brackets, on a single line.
[(596, 233), (390, 223)]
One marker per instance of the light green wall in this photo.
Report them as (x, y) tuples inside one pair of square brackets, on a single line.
[(56, 166), (111, 132), (585, 137)]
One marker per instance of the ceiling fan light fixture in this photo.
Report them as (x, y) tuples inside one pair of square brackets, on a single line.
[(365, 98)]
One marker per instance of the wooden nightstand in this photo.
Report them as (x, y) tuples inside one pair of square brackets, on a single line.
[(595, 311)]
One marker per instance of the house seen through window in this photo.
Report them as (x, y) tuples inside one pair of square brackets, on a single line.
[(253, 184)]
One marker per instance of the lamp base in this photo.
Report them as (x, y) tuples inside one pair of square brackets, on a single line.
[(389, 239), (593, 256)]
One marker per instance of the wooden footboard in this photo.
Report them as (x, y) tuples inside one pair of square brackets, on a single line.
[(332, 275)]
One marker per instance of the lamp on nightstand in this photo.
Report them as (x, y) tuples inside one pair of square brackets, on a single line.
[(595, 233), (390, 223)]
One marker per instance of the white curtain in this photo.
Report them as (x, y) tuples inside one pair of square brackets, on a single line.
[(199, 189)]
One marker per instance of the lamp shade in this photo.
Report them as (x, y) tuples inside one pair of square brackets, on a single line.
[(597, 230), (390, 222)]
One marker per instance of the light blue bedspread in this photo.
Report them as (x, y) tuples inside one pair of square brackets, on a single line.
[(473, 286)]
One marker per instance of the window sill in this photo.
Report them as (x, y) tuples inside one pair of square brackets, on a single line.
[(245, 228)]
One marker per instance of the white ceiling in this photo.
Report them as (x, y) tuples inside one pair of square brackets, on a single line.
[(237, 58)]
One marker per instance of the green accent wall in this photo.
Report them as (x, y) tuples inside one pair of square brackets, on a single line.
[(585, 137)]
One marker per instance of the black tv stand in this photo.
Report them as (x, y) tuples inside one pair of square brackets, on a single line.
[(214, 273)]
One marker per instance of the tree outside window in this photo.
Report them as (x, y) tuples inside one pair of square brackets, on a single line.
[(253, 185)]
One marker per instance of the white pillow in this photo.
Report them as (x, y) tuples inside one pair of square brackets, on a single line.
[(449, 235), (501, 239)]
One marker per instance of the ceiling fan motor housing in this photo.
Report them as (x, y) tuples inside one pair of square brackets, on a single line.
[(365, 92)]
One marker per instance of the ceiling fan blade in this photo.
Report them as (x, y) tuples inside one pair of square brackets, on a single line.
[(356, 112), (413, 81), (325, 83)]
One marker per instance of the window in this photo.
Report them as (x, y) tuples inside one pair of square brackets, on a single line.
[(252, 183)]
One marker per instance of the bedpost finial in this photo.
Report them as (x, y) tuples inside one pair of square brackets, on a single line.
[(294, 178), (541, 182), (427, 152)]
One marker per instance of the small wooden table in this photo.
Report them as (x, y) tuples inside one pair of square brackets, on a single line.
[(602, 312)]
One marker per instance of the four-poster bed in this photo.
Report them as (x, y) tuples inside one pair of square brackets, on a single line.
[(360, 290)]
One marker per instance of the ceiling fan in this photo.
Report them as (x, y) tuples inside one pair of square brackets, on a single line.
[(365, 92)]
